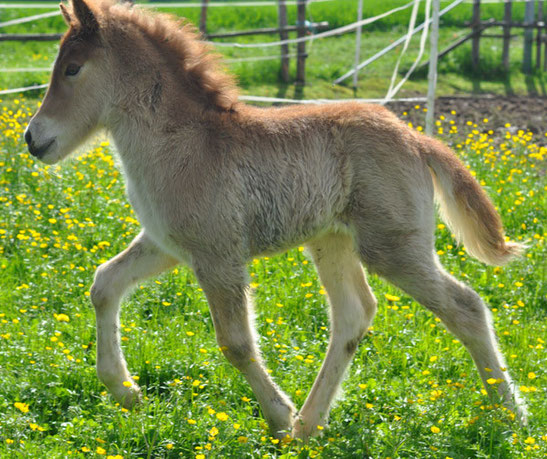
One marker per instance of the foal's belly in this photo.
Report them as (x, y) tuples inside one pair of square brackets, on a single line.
[(275, 225)]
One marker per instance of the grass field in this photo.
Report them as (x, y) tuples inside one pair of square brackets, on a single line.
[(412, 390), (328, 58)]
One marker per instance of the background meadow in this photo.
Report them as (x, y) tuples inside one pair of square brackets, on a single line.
[(412, 390), (328, 59)]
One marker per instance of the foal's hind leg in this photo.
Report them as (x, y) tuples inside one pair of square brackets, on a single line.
[(352, 309), (225, 285), (140, 260), (420, 275)]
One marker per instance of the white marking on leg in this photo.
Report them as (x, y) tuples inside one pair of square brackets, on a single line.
[(352, 309), (464, 314), (230, 309), (469, 319), (112, 279)]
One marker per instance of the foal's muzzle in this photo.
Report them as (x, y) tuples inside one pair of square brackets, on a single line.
[(37, 150)]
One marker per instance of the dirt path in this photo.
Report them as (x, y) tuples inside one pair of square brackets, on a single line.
[(527, 113)]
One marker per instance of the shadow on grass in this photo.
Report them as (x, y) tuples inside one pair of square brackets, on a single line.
[(531, 85), (283, 89), (489, 70)]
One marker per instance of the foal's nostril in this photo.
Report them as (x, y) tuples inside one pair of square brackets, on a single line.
[(28, 136)]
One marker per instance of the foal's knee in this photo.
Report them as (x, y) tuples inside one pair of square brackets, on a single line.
[(354, 336), (101, 292), (467, 301), (370, 306), (354, 326), (238, 354), (462, 311)]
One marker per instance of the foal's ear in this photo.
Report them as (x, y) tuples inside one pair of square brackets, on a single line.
[(85, 16), (65, 13)]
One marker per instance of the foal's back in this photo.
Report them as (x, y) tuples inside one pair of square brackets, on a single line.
[(307, 170)]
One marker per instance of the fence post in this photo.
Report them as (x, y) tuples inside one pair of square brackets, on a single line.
[(283, 35), (357, 45), (203, 17), (507, 34), (545, 44), (301, 46), (432, 74), (539, 34), (528, 37), (476, 24)]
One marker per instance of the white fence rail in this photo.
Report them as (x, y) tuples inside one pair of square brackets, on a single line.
[(355, 26)]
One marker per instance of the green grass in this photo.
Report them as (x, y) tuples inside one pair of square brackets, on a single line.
[(58, 223), (409, 375), (328, 58)]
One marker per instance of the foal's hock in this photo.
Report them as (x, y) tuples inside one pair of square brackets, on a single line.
[(215, 182)]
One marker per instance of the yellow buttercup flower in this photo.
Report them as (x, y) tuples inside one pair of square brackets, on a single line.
[(391, 297), (23, 407)]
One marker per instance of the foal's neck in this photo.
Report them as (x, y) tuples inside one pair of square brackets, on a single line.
[(144, 134)]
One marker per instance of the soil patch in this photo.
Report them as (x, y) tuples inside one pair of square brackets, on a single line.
[(526, 113)]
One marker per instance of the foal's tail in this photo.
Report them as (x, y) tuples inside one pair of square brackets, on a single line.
[(465, 206)]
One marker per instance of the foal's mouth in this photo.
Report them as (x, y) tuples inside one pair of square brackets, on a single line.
[(39, 152)]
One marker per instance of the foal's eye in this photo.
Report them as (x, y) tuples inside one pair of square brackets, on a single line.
[(72, 69)]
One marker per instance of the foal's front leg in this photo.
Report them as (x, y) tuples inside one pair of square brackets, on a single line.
[(140, 260), (226, 289)]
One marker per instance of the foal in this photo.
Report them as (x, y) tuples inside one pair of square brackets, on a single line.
[(215, 183)]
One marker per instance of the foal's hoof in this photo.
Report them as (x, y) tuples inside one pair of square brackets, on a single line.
[(128, 395), (132, 397), (284, 422), (521, 414), (305, 430)]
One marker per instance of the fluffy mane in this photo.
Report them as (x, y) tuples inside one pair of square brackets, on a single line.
[(180, 42)]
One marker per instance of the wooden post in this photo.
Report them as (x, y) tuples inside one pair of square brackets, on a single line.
[(476, 24), (203, 17), (528, 37), (507, 34), (301, 46), (539, 34), (283, 35)]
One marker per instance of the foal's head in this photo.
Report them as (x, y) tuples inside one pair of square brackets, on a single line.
[(116, 61), (78, 92)]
